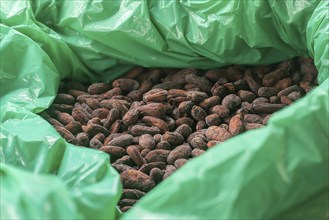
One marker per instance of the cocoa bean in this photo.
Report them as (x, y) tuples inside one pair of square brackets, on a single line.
[(135, 155), (217, 133), (134, 179)]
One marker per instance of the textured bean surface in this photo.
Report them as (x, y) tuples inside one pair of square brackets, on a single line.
[(153, 121)]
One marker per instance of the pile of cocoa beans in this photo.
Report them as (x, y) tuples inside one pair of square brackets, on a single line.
[(152, 121)]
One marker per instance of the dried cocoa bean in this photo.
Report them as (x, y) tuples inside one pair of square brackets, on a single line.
[(156, 174), (98, 88), (213, 119), (266, 108), (198, 113), (134, 179), (180, 162), (236, 125), (182, 151), (217, 133), (157, 155), (135, 155), (231, 101), (146, 141), (62, 98), (146, 168), (173, 138), (156, 122), (114, 151), (126, 84)]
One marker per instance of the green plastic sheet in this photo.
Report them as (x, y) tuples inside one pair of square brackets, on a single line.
[(277, 172)]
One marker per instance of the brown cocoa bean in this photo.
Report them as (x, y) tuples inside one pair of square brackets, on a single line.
[(294, 96), (273, 77), (157, 155), (274, 99), (260, 100), (185, 107), (126, 84), (213, 119), (170, 122), (182, 151), (289, 90), (98, 88), (132, 194), (74, 127), (93, 129), (156, 174), (146, 141), (92, 103), (75, 93), (123, 140), (80, 116), (134, 179), (101, 113), (197, 152), (121, 167), (95, 143), (215, 74), (146, 168), (180, 162), (153, 109), (115, 127), (83, 139), (200, 125), (170, 169), (94, 121), (184, 120), (201, 82), (221, 110), (252, 118), (163, 145), (112, 116), (173, 138), (246, 96), (64, 118), (114, 151), (131, 117), (231, 101), (196, 96), (236, 125), (250, 126), (219, 90), (135, 155), (198, 113), (184, 130), (144, 152), (155, 95), (253, 85), (266, 108), (210, 102), (199, 142), (68, 136), (63, 98), (267, 91), (282, 84), (156, 122), (285, 100), (217, 133), (125, 160), (110, 93), (62, 108), (138, 130)]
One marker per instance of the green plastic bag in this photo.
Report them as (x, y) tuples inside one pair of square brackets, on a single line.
[(278, 172)]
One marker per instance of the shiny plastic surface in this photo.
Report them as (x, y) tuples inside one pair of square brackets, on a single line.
[(280, 171)]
